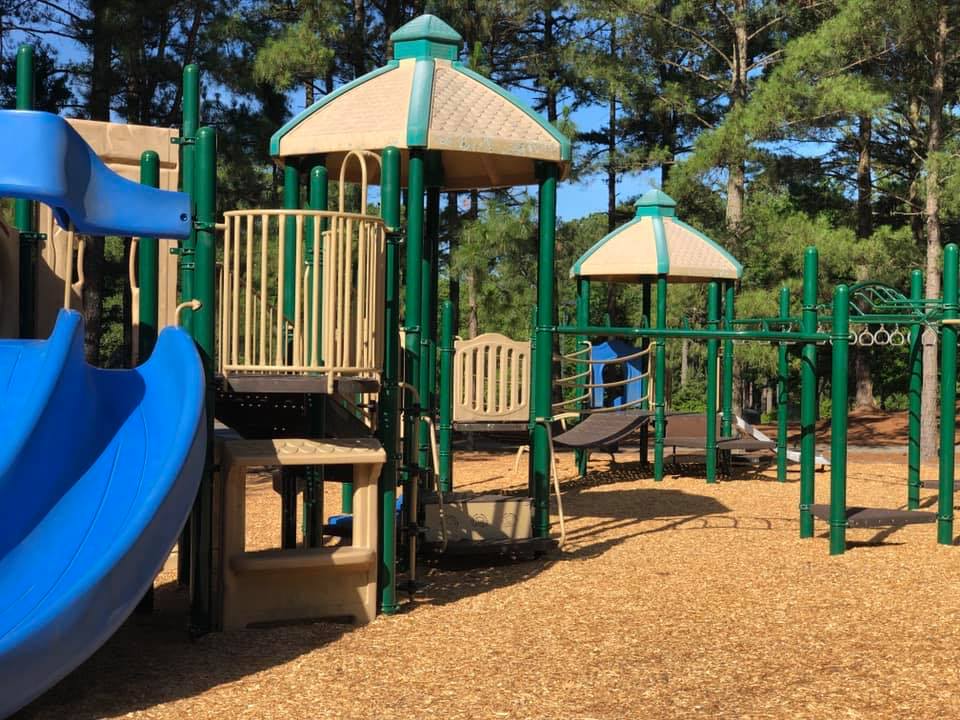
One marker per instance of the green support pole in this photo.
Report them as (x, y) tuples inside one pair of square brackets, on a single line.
[(148, 265), (645, 369), (23, 210), (583, 318), (445, 439), (188, 154), (660, 381), (291, 201), (726, 399), (713, 322), (203, 333), (808, 393), (317, 199), (914, 395), (543, 357), (838, 421), (428, 325), (948, 396), (783, 395), (412, 309), (388, 422), (186, 249)]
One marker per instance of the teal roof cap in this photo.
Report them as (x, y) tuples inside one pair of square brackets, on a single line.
[(656, 202), (426, 37)]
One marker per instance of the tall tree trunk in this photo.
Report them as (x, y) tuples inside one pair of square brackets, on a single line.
[(612, 142), (549, 50), (916, 172), (98, 108), (736, 170), (863, 377), (928, 421), (684, 361), (453, 224), (359, 38)]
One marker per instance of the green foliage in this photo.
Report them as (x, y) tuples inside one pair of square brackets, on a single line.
[(691, 397)]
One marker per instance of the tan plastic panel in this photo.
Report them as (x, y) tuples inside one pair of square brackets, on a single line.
[(491, 379), (9, 281), (119, 146), (275, 586)]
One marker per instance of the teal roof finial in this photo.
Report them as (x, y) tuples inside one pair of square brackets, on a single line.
[(426, 37), (656, 202)]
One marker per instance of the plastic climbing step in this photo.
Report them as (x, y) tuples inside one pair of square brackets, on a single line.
[(863, 517)]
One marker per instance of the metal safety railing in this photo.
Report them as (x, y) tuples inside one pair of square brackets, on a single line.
[(325, 316)]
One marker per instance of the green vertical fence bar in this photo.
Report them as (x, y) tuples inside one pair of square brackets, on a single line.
[(645, 369), (23, 210), (428, 322), (660, 380), (148, 266), (291, 201), (388, 409), (412, 310), (583, 367), (543, 357), (914, 403), (445, 428), (783, 394), (203, 333), (713, 323), (726, 399), (808, 392), (186, 249), (838, 420), (948, 396)]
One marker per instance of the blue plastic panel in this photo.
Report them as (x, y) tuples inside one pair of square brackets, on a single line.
[(611, 397), (98, 472), (43, 158)]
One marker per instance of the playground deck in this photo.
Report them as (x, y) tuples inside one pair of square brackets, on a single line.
[(672, 600)]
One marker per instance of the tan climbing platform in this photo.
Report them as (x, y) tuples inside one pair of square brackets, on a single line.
[(276, 586)]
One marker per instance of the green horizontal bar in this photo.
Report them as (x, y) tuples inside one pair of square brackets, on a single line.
[(691, 334)]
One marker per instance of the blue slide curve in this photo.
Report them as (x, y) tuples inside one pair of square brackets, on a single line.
[(98, 472)]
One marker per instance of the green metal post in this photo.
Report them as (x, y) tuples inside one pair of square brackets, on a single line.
[(388, 423), (583, 318), (838, 421), (203, 333), (412, 309), (713, 322), (645, 369), (23, 210), (660, 381), (948, 396), (543, 357), (188, 154), (291, 201), (808, 393), (914, 395), (445, 439), (148, 265), (783, 395), (317, 199), (428, 324), (186, 249), (726, 427)]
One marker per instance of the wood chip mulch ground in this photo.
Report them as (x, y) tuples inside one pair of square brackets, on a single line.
[(669, 600)]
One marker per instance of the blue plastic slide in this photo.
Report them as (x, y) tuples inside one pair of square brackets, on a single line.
[(98, 472)]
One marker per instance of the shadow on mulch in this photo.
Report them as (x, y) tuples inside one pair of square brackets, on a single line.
[(151, 660), (453, 579)]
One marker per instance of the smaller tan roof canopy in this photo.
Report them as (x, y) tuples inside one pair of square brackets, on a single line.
[(656, 243), (425, 98)]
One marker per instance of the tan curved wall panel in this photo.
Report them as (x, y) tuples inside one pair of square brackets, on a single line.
[(491, 379)]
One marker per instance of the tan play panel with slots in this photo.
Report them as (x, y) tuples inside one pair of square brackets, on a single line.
[(119, 145), (270, 586)]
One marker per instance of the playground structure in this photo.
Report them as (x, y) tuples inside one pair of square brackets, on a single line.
[(299, 340)]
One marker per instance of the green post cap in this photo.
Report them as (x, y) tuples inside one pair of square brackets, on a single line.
[(426, 37), (656, 202)]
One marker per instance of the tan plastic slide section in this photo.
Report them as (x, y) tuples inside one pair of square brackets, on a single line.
[(276, 586), (119, 145)]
